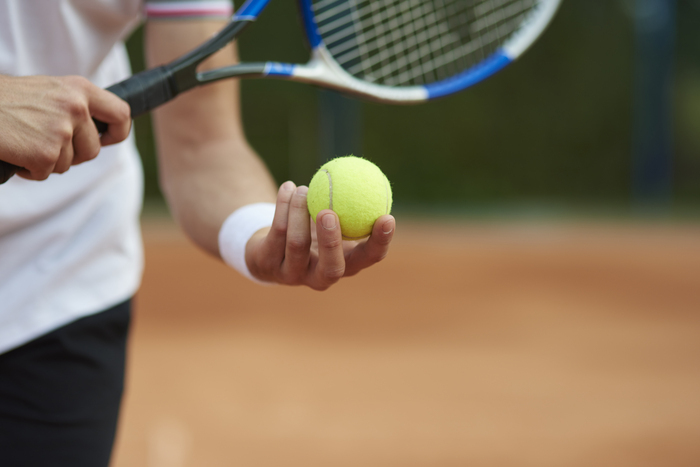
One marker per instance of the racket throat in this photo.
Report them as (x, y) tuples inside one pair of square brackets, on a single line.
[(323, 70), (184, 70), (242, 70)]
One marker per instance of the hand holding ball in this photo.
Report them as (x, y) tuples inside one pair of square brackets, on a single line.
[(355, 189)]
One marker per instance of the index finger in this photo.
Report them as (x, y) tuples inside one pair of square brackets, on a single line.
[(107, 107)]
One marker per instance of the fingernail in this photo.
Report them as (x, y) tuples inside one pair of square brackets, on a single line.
[(328, 222), (302, 190), (288, 186), (388, 227)]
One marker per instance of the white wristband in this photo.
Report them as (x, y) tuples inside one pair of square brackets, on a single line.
[(237, 229)]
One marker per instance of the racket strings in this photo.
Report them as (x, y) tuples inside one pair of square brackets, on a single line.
[(415, 42)]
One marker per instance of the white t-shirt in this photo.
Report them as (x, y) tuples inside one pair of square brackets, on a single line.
[(70, 246)]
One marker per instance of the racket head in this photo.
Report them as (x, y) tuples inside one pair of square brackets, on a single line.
[(404, 51)]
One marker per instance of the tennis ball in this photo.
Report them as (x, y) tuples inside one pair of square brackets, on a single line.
[(355, 189)]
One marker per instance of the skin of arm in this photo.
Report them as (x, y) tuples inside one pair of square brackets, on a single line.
[(46, 122), (208, 170)]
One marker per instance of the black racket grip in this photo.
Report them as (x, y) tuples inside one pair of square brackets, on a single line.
[(7, 170), (143, 92)]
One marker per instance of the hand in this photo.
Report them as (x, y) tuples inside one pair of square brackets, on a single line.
[(294, 252), (46, 122)]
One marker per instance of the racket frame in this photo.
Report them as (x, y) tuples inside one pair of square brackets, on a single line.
[(323, 70)]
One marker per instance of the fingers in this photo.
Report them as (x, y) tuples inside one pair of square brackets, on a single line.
[(297, 251), (52, 162), (273, 248), (110, 109), (24, 173), (330, 267), (86, 144), (59, 123), (374, 249), (65, 159)]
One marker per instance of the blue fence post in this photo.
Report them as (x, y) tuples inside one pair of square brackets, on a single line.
[(340, 126), (652, 165)]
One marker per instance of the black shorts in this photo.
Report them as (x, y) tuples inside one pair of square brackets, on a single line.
[(60, 394)]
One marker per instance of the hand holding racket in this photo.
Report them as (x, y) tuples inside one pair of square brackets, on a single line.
[(46, 124), (392, 51)]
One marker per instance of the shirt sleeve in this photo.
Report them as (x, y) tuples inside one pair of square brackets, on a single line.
[(188, 9)]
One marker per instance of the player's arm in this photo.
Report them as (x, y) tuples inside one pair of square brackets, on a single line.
[(46, 122), (208, 171)]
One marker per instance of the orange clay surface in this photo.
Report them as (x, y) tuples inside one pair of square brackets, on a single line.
[(502, 344)]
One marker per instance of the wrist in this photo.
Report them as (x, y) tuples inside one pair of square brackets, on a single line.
[(236, 232)]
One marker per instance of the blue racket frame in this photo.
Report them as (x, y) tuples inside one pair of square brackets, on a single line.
[(477, 73)]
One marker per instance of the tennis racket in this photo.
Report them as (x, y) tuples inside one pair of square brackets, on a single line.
[(392, 51)]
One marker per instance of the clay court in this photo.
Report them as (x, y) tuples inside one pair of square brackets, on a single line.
[(473, 344)]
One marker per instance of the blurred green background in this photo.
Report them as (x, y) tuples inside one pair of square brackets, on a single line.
[(552, 132)]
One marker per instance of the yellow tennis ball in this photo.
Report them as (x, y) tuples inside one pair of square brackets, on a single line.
[(355, 189)]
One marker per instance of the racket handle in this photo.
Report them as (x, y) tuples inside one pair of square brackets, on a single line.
[(7, 170), (144, 92)]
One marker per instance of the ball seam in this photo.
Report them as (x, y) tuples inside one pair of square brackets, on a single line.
[(330, 189)]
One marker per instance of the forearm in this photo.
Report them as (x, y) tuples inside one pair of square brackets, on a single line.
[(205, 183), (207, 170)]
